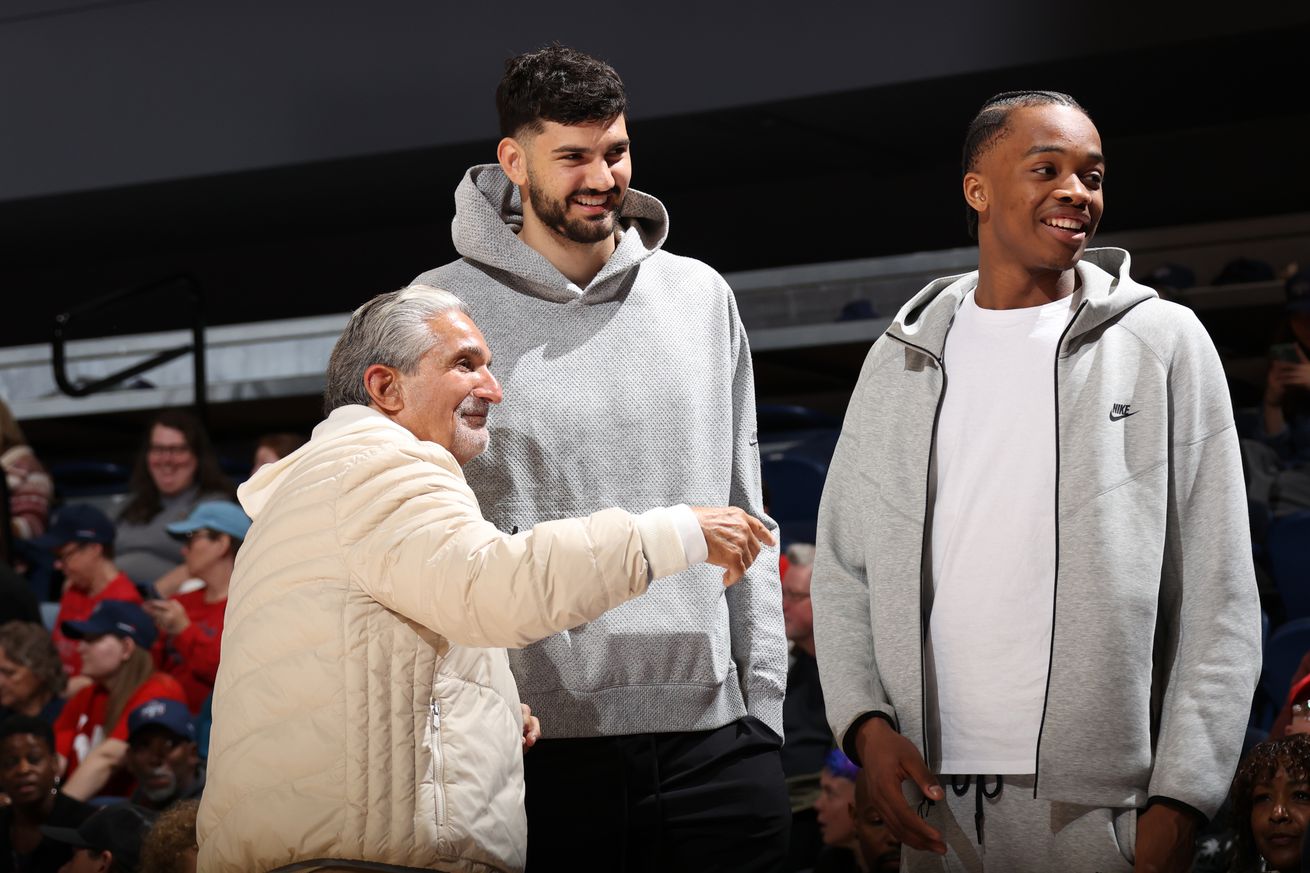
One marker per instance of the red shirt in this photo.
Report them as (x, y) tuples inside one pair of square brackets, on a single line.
[(77, 606), (191, 657), (81, 726)]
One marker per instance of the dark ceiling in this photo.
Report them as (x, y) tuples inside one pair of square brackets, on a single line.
[(1193, 132)]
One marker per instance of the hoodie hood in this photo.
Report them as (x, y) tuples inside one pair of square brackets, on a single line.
[(489, 216), (344, 422), (1103, 283)]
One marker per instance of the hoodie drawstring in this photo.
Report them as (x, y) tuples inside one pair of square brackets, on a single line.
[(980, 791)]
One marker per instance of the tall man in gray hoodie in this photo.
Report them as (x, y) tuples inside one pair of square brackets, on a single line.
[(633, 381), (1034, 606)]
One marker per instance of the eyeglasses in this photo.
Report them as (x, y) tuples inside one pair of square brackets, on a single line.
[(200, 532), (64, 553), (169, 451)]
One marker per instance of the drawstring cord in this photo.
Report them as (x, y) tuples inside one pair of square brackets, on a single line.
[(980, 791)]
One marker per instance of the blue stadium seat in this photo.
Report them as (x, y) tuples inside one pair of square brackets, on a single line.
[(1288, 550), (795, 485), (75, 480), (1283, 655)]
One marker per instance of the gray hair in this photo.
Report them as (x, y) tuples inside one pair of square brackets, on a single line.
[(391, 329), (800, 554)]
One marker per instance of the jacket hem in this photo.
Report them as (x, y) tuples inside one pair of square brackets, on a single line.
[(636, 709)]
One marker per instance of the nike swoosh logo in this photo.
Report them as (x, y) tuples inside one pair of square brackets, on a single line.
[(1114, 417)]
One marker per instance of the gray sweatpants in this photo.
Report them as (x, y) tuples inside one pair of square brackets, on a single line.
[(1024, 835)]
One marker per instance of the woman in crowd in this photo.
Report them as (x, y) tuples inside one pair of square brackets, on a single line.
[(274, 447), (32, 678), (171, 845), (91, 732), (28, 768), (834, 806), (1271, 805), (175, 470)]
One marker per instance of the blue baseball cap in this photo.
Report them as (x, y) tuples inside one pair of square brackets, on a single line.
[(117, 617), (220, 516), (169, 714), (78, 523)]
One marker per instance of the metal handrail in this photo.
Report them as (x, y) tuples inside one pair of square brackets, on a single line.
[(196, 348)]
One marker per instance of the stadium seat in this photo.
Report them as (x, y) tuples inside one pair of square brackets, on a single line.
[(795, 485), (1288, 645), (1288, 551)]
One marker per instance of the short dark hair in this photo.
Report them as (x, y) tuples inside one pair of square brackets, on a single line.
[(558, 84), (28, 724), (1261, 764), (992, 123)]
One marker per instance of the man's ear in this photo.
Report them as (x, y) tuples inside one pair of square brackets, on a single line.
[(104, 861), (384, 388), (975, 193), (513, 160)]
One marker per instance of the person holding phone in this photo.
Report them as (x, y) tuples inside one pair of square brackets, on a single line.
[(1286, 414), (193, 622)]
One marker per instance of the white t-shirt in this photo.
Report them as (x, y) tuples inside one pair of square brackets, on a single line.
[(993, 538)]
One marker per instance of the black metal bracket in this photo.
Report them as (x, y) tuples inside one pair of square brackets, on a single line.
[(196, 348)]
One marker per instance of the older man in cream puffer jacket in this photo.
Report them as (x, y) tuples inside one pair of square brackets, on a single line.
[(365, 716)]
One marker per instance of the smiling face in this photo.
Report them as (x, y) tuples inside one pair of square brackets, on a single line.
[(1038, 189), (574, 177), (447, 399), (171, 461), (27, 769), (1280, 808)]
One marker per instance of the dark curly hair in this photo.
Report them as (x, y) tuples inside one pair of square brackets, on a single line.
[(992, 123), (558, 84), (173, 834), (1260, 765)]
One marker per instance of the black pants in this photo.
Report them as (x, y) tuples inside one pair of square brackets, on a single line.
[(659, 803)]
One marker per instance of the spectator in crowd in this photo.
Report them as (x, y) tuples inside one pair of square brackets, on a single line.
[(834, 806), (1271, 805), (175, 469), (1082, 557), (91, 733), (274, 447), (109, 841), (878, 848), (805, 725), (162, 755), (29, 777), (82, 538), (193, 622), (362, 692), (1279, 472), (32, 678), (29, 486), (171, 845), (563, 264)]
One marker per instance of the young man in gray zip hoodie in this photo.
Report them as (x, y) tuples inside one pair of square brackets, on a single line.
[(1035, 611), (633, 381)]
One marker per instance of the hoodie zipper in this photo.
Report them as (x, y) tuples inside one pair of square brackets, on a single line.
[(923, 545), (1055, 588)]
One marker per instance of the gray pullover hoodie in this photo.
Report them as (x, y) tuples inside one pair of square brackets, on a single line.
[(635, 391), (1156, 633)]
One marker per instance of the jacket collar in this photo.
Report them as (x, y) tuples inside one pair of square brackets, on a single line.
[(1104, 283)]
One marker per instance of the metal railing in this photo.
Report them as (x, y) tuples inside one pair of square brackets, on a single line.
[(186, 285)]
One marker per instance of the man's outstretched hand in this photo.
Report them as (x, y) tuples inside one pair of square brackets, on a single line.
[(888, 760), (734, 539)]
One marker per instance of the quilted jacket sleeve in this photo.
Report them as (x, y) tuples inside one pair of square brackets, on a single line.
[(415, 540)]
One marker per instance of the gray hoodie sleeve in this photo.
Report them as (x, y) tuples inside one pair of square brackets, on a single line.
[(1208, 653), (839, 590), (759, 645)]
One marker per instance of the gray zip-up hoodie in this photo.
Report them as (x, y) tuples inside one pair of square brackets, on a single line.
[(1156, 643), (635, 391)]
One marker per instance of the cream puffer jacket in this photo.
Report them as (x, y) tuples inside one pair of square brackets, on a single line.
[(364, 710)]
